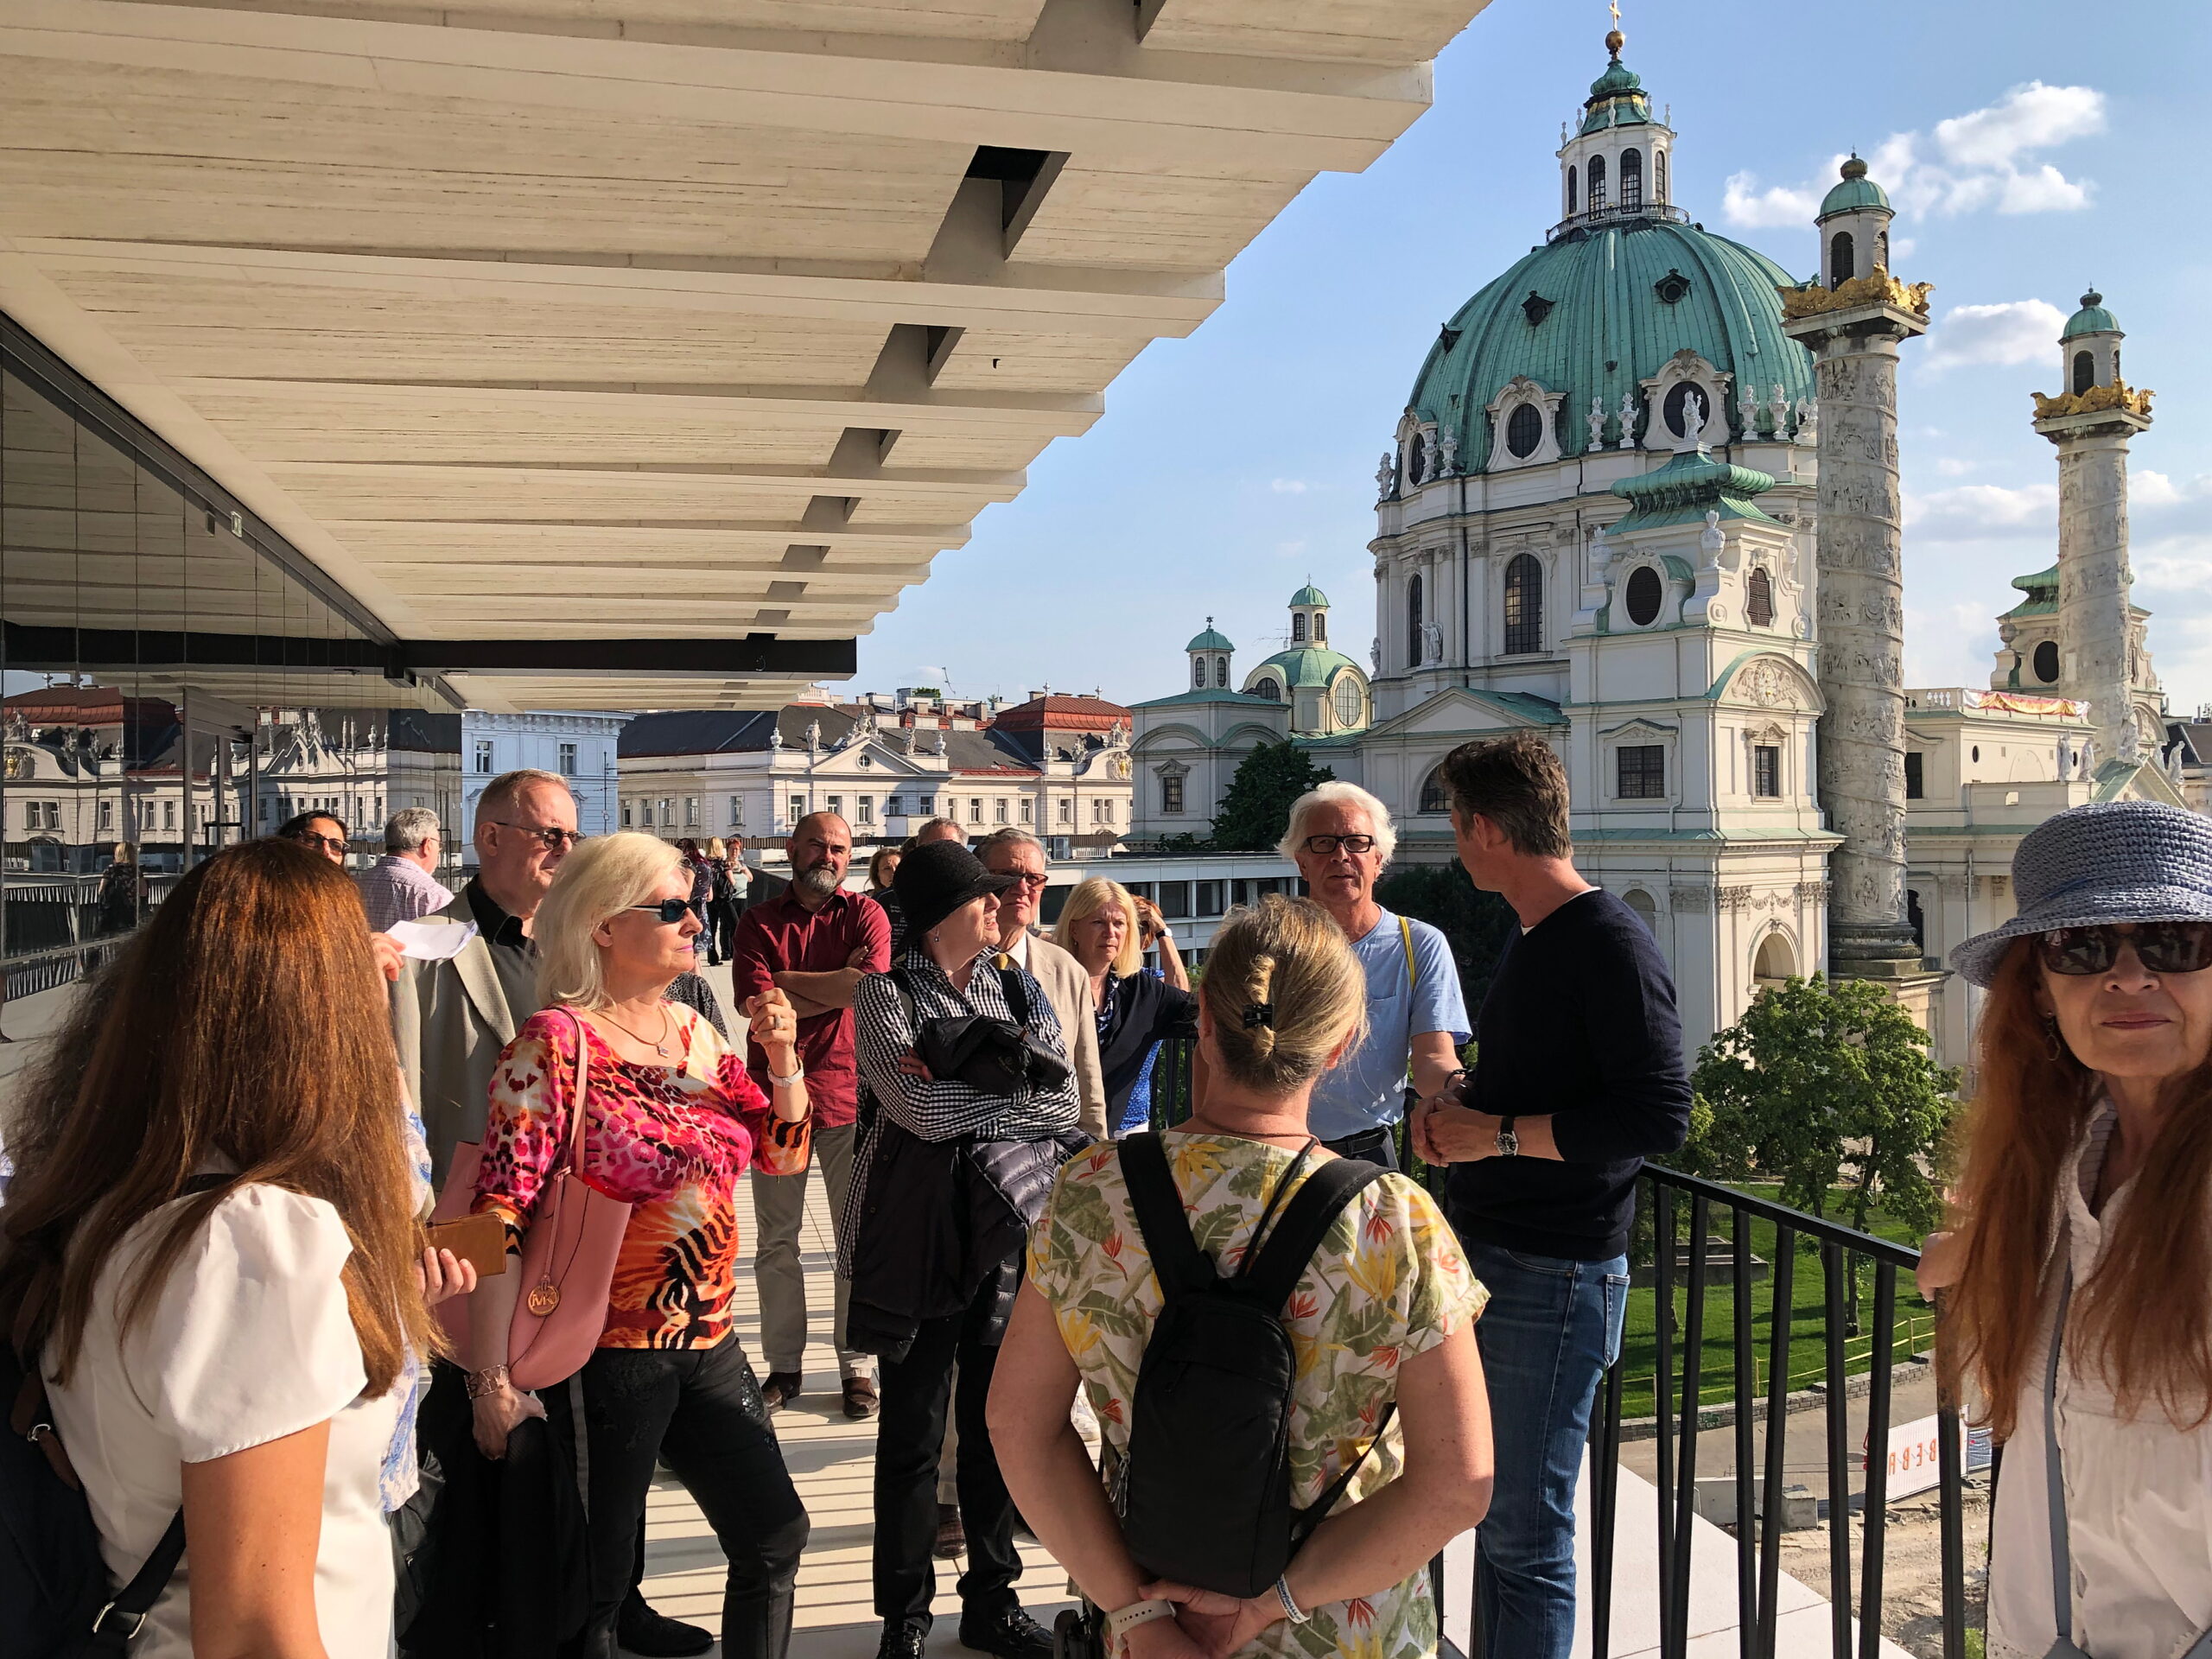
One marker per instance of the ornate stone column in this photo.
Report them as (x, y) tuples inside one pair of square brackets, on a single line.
[(1853, 331)]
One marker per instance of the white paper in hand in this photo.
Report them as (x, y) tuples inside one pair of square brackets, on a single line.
[(431, 941)]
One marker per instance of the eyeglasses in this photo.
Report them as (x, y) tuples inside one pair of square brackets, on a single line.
[(332, 844), (1024, 879), (2161, 947), (555, 839), (1325, 846), (670, 911)]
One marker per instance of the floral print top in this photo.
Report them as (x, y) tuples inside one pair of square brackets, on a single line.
[(1388, 1283), (668, 1140)]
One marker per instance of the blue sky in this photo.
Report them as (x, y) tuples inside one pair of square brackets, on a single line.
[(2033, 150)]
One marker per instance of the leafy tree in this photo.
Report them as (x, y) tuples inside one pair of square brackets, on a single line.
[(1256, 809), (1476, 923), (1824, 1082)]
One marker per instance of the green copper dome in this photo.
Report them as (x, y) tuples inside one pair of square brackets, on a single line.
[(1585, 315), (1211, 640), (2092, 318), (1309, 595), (1617, 98), (1308, 665), (1856, 192)]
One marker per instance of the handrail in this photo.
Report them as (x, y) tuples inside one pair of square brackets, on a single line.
[(1866, 1244)]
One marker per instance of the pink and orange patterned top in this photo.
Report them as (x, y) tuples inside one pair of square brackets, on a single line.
[(668, 1140)]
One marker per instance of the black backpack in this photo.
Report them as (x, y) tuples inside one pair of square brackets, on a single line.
[(1205, 1493)]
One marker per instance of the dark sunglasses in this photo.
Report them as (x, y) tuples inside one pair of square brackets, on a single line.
[(1325, 846), (2161, 947), (670, 911), (555, 840)]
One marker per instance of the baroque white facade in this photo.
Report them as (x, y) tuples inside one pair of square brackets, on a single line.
[(580, 747)]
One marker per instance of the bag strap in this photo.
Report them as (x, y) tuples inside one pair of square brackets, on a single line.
[(1306, 1222), (1315, 1513), (1016, 994), (2062, 1563), (1183, 1267)]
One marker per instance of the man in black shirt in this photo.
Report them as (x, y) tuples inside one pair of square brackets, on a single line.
[(1579, 1076)]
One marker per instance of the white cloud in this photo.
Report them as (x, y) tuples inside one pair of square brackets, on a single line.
[(1901, 247), (1978, 161), (1290, 486), (1972, 513), (2012, 331), (1952, 466)]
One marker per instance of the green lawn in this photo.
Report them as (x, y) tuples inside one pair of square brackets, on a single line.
[(1639, 1342)]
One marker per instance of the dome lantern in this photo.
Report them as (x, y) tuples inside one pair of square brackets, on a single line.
[(1309, 617), (1854, 227), (1614, 165), (1210, 653), (2089, 348)]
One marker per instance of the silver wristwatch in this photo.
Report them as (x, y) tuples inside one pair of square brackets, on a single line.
[(1509, 1144)]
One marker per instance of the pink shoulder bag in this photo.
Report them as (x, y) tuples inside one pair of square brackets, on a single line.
[(568, 1255)]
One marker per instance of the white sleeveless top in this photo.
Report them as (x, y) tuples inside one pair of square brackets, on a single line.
[(248, 1341)]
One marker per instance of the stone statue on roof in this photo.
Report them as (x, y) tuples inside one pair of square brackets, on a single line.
[(1627, 439), (813, 737), (1596, 423), (1448, 452), (1778, 406), (1808, 422), (1385, 476)]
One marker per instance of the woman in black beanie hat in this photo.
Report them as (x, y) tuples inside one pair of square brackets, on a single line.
[(947, 1176)]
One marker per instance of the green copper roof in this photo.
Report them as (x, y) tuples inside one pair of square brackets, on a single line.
[(1211, 640), (1856, 191), (1212, 694), (1309, 595), (2091, 319), (1605, 329), (1617, 98), (1687, 488), (2042, 591), (1308, 665)]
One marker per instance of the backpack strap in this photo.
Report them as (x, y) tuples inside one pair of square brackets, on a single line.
[(1183, 1267), (1017, 994), (1305, 1221)]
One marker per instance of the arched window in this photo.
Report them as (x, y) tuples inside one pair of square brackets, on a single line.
[(1416, 454), (1524, 605), (1758, 598), (1659, 176), (1631, 178), (1298, 630), (2085, 371), (2047, 662), (1596, 182), (1198, 673), (1268, 687), (1433, 796), (1573, 181), (1320, 629), (1646, 909), (1524, 430), (1348, 704), (1842, 258), (1220, 672), (1643, 595), (1882, 249), (1413, 621)]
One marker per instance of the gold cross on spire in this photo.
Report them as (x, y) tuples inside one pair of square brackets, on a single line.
[(1615, 40), (1615, 8)]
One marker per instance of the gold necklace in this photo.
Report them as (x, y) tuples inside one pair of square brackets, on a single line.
[(667, 1024)]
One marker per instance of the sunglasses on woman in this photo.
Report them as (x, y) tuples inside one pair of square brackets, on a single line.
[(2161, 947), (670, 911)]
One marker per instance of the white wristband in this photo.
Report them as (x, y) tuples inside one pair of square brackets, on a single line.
[(1290, 1608), (1122, 1620), (799, 1075)]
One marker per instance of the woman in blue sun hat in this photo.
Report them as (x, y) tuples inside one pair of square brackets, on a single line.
[(2077, 1271)]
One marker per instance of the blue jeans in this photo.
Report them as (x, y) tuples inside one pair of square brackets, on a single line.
[(1552, 1328)]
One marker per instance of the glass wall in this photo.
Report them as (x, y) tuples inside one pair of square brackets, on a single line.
[(174, 677)]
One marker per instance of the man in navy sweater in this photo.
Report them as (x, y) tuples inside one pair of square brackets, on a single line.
[(1578, 1077)]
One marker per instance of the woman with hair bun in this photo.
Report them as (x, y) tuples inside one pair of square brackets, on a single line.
[(1385, 1312)]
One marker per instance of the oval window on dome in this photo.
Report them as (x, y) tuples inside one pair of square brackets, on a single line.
[(1416, 456), (2047, 662), (1524, 430), (1676, 409), (1643, 595), (1347, 699)]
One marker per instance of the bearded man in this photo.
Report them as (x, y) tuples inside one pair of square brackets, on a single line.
[(814, 942)]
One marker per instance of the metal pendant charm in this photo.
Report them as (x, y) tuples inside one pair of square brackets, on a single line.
[(544, 1296)]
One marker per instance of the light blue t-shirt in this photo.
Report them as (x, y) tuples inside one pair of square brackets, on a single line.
[(1367, 1089)]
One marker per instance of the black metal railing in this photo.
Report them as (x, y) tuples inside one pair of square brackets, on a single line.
[(1616, 214), (1682, 1220)]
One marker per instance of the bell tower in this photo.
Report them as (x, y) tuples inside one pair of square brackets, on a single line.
[(1309, 617), (1210, 653)]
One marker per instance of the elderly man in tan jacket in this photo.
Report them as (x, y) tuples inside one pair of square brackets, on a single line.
[(1021, 855)]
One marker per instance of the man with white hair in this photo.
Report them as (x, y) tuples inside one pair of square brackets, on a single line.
[(1341, 838), (404, 884)]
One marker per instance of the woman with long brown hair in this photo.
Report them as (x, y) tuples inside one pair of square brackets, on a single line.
[(210, 1249), (2077, 1274)]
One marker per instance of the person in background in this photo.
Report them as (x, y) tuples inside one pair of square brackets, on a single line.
[(934, 830), (241, 1349), (404, 886), (124, 891), (2083, 1211), (1107, 931), (454, 1018), (814, 944), (1341, 839), (882, 865), (730, 878), (1386, 1311), (322, 832), (1578, 1077), (671, 1120), (929, 1296), (703, 898), (1021, 855)]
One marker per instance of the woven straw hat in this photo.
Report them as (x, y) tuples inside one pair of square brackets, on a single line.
[(2121, 862)]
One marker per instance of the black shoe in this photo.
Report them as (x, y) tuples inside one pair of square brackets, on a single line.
[(1011, 1634), (639, 1629), (951, 1534), (900, 1640), (781, 1388)]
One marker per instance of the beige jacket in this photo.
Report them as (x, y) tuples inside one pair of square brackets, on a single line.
[(450, 1020), (1068, 989)]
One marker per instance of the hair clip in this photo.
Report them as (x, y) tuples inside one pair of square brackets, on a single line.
[(1259, 1014)]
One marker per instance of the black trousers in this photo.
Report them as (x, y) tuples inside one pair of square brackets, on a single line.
[(1376, 1146), (910, 1436), (699, 1410)]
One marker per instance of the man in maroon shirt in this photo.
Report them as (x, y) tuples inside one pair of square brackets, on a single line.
[(813, 941)]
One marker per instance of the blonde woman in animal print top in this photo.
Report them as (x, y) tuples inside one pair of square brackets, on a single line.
[(672, 1121), (1385, 1312)]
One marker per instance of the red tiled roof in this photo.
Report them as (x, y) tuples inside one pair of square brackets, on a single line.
[(1056, 711)]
